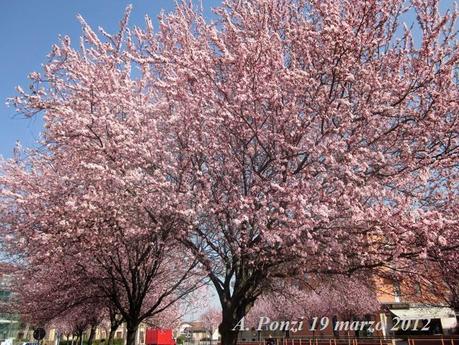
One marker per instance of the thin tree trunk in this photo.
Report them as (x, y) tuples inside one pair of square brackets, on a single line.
[(115, 323), (92, 334), (111, 336)]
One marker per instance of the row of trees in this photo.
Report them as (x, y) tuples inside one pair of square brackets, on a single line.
[(288, 139)]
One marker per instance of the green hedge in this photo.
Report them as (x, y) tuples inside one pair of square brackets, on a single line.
[(181, 340)]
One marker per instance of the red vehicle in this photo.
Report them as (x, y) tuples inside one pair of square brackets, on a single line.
[(159, 337)]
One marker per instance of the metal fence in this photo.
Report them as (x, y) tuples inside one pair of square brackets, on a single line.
[(432, 340)]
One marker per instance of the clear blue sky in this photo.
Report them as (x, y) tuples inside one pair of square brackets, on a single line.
[(27, 31)]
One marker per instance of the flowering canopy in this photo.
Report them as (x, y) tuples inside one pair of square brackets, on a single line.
[(83, 209), (288, 137)]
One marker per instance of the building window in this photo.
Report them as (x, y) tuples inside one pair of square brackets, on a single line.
[(142, 337), (119, 335)]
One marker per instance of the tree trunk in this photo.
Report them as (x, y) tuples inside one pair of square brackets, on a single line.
[(79, 338), (228, 330), (131, 334), (228, 336), (115, 323), (237, 301), (92, 334), (111, 336)]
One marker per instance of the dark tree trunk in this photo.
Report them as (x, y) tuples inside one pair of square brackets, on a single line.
[(111, 336), (228, 328), (79, 339), (237, 293), (228, 336), (131, 333), (92, 334), (115, 321)]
